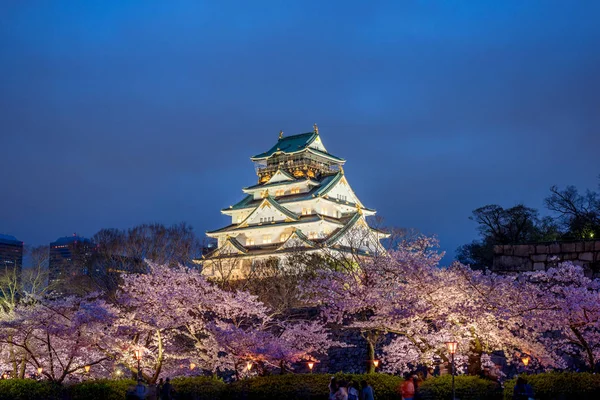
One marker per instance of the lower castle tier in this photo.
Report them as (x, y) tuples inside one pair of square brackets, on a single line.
[(302, 202)]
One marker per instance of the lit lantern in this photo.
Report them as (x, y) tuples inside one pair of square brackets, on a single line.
[(40, 370), (311, 365), (138, 354), (192, 366), (525, 360), (376, 363), (249, 365), (87, 368), (452, 347), (119, 372)]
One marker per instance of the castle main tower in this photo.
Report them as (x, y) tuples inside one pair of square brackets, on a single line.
[(302, 202)]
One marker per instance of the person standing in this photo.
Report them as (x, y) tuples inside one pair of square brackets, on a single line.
[(333, 387), (407, 389), (367, 391), (352, 391), (342, 392), (159, 387), (166, 392), (522, 390)]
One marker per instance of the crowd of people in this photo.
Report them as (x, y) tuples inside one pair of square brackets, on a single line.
[(342, 390)]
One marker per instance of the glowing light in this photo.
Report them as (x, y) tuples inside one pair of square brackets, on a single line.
[(249, 365), (452, 347), (87, 368), (192, 365), (40, 370), (311, 365), (525, 360), (376, 363), (119, 372), (138, 354)]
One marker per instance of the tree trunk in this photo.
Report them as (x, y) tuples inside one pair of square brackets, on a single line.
[(370, 352), (586, 346), (475, 353)]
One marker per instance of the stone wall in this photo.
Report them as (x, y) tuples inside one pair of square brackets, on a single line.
[(541, 256)]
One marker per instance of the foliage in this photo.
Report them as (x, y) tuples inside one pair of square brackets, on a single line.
[(497, 225), (100, 389), (61, 336), (408, 295), (198, 388), (177, 318), (559, 385), (28, 389), (573, 314), (578, 213), (308, 386), (467, 388)]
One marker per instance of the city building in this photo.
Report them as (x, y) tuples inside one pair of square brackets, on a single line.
[(11, 254), (69, 256), (302, 202)]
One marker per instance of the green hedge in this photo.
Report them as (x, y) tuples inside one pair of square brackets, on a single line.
[(307, 386), (27, 389), (100, 389), (560, 386), (467, 388), (199, 388)]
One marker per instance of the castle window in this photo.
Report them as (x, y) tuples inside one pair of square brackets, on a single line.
[(283, 237), (324, 211), (239, 219), (266, 238), (280, 192), (306, 211), (295, 190), (249, 242), (312, 235)]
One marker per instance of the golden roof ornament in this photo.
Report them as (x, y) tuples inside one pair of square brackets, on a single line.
[(315, 128), (342, 170), (280, 134), (265, 193), (358, 208)]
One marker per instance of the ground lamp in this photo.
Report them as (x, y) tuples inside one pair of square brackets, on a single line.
[(452, 349), (525, 358), (87, 369), (249, 365), (138, 357), (192, 366), (376, 363), (40, 370), (311, 365)]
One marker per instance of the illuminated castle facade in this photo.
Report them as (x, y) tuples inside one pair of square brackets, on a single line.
[(302, 202)]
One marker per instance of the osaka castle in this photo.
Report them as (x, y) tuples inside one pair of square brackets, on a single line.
[(302, 202)]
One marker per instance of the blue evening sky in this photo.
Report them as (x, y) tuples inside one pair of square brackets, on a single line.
[(116, 113)]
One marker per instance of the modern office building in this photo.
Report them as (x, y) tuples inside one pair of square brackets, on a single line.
[(11, 253), (69, 256)]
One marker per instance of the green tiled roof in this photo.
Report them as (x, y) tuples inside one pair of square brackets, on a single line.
[(335, 236), (289, 144), (302, 220), (280, 183)]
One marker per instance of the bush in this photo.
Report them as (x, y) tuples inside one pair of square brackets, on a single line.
[(307, 386), (466, 387), (198, 388), (101, 389), (560, 386), (28, 389)]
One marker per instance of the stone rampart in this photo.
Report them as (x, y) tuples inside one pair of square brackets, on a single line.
[(541, 256)]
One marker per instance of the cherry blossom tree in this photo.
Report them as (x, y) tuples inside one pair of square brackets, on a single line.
[(177, 318), (573, 324), (407, 295), (60, 337)]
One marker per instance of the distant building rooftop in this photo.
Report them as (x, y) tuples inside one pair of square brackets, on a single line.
[(70, 239), (9, 239)]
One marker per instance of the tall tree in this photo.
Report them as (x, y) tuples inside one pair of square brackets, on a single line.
[(497, 225), (578, 213)]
